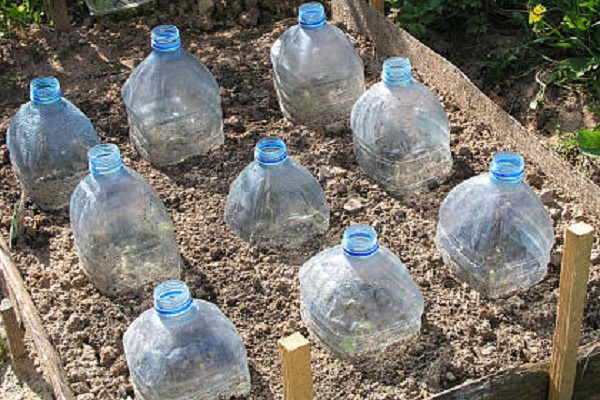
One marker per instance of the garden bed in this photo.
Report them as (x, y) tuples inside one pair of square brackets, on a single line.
[(463, 335)]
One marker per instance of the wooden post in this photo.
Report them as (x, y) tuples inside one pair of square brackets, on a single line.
[(378, 4), (49, 360), (573, 288), (14, 333), (57, 10), (295, 365)]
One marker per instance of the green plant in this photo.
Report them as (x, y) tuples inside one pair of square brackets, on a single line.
[(567, 41), (471, 16), (19, 14), (567, 146), (588, 141)]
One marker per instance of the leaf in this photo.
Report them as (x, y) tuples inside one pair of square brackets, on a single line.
[(589, 141), (16, 224)]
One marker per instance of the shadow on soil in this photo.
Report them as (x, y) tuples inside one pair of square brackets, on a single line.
[(28, 379)]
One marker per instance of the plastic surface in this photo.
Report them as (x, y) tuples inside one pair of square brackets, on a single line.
[(185, 349), (123, 234), (401, 132), (101, 7), (494, 231), (318, 74), (358, 298), (275, 201), (48, 139), (173, 103)]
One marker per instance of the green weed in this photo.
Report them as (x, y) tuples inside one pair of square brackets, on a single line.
[(19, 14), (472, 16)]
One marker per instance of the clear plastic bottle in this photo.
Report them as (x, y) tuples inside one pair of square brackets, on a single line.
[(401, 132), (173, 103), (494, 231), (276, 201), (318, 74), (101, 7), (185, 349), (48, 139), (122, 231), (358, 298)]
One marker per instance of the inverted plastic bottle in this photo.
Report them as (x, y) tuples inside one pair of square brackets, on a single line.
[(185, 349), (275, 201), (173, 103), (48, 139), (401, 132), (101, 7), (318, 74), (123, 234), (358, 298), (494, 231)]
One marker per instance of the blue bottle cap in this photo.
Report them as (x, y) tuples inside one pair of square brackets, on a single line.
[(312, 15), (360, 241), (104, 159), (172, 298), (508, 166), (45, 90), (270, 151), (165, 38), (397, 71)]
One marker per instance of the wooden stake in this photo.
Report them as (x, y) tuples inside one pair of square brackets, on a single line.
[(573, 287), (378, 4), (295, 365), (49, 360), (14, 332), (57, 10)]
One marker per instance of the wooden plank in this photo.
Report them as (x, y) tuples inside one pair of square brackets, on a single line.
[(57, 10), (574, 276), (14, 333), (378, 5), (587, 384), (530, 382), (48, 358), (295, 365)]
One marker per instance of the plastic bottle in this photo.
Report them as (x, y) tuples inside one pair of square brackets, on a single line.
[(101, 7), (173, 103), (494, 231), (358, 298), (401, 132), (185, 349), (276, 201), (318, 74), (48, 139), (123, 234)]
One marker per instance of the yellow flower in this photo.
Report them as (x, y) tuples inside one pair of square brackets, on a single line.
[(537, 14)]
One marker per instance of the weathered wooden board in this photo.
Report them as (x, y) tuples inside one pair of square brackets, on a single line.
[(48, 358), (531, 382)]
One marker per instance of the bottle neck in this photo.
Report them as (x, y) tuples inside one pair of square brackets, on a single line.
[(165, 39), (105, 160), (507, 167), (312, 16), (173, 300), (270, 151), (397, 72), (360, 241), (45, 90)]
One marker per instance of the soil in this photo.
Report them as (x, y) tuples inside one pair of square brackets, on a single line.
[(464, 336)]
